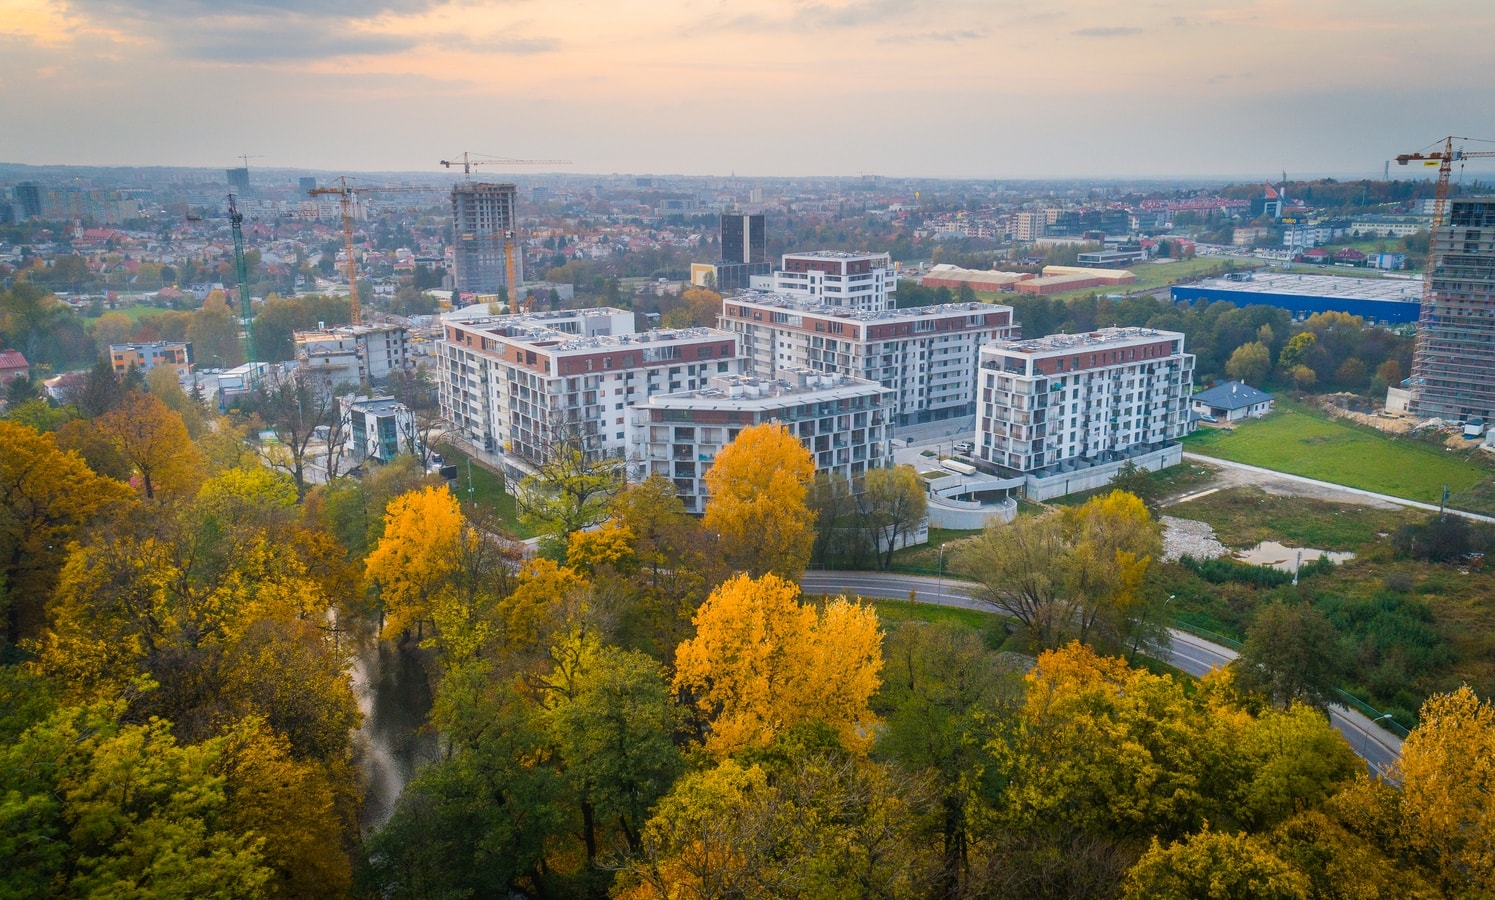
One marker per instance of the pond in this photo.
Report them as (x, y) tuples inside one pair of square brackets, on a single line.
[(1278, 556)]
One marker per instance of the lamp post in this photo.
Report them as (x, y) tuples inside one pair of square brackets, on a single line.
[(941, 575), (1365, 739)]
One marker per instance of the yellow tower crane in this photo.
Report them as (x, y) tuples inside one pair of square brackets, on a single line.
[(347, 195)]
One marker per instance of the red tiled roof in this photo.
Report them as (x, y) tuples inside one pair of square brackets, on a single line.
[(13, 359)]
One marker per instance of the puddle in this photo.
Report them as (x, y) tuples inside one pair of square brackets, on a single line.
[(1271, 553)]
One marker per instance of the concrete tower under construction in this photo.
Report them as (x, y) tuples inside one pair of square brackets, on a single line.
[(1453, 371), (486, 250)]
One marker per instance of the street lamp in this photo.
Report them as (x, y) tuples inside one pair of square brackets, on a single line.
[(941, 581), (1365, 738)]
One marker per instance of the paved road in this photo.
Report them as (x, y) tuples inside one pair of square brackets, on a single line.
[(1387, 498), (1187, 652)]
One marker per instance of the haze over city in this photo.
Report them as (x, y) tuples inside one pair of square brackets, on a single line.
[(941, 88)]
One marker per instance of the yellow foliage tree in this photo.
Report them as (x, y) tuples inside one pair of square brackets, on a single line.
[(1211, 865), (1447, 771), (547, 597), (152, 438), (416, 557), (757, 507), (762, 662)]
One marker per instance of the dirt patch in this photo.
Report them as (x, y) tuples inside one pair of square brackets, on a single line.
[(1379, 421), (1281, 487)]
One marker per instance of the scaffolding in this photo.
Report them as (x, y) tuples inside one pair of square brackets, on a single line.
[(1453, 368)]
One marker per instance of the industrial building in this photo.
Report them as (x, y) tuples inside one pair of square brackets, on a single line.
[(842, 421), (1388, 300), (354, 354), (863, 281), (1453, 367), (1067, 411), (486, 254), (955, 278), (925, 355), (516, 385), (176, 355)]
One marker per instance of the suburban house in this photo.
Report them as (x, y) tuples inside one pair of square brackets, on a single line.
[(1232, 401), (13, 365)]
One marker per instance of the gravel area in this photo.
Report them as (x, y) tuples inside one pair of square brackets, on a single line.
[(1187, 537)]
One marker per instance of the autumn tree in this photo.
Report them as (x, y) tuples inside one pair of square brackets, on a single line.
[(570, 490), (1020, 567), (1295, 352), (47, 496), (761, 661), (1215, 866), (152, 438), (295, 405), (698, 306), (214, 332), (1447, 804), (757, 507), (1250, 362), (163, 384), (894, 502), (417, 390)]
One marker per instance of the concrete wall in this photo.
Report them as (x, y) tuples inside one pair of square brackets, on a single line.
[(1060, 485), (964, 515)]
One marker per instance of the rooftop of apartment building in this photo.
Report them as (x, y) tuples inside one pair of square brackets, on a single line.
[(1065, 343), (837, 254), (747, 391), (803, 304), (146, 345)]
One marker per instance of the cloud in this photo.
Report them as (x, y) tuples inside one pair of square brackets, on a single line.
[(168, 10), (1113, 31), (511, 46), (944, 37)]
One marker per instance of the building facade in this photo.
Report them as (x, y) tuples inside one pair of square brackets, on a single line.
[(1069, 402), (514, 385), (924, 355), (842, 421), (354, 354), (744, 239), (377, 428), (176, 355), (1453, 367), (862, 281), (485, 234)]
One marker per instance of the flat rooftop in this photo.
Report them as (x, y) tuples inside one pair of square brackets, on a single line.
[(1104, 337), (749, 392), (814, 307), (552, 339), (1328, 286), (837, 254)]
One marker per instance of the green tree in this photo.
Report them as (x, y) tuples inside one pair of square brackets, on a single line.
[(1214, 866), (894, 502), (1292, 653), (214, 332), (1250, 362), (1295, 351)]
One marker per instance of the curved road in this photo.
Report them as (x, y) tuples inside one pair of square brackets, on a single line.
[(1194, 655)]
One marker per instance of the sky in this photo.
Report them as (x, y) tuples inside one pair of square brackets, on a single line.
[(934, 88)]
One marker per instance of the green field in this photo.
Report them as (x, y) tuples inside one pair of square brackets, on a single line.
[(1246, 516), (1301, 442), (487, 490)]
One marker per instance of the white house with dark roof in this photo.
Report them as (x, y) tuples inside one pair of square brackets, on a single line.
[(1232, 402)]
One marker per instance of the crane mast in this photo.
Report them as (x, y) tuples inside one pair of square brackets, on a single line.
[(344, 193), (241, 269)]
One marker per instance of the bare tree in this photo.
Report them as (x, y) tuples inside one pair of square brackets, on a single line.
[(295, 405), (417, 391), (573, 483)]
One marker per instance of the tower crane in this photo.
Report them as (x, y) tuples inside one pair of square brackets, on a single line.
[(347, 194), (511, 235), (241, 269), (1444, 160)]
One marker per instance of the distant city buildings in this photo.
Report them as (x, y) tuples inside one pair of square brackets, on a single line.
[(1453, 368), (1068, 410), (176, 355), (842, 421), (485, 239), (743, 242), (925, 355)]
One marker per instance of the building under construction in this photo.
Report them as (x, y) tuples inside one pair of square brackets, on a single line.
[(1453, 371), (486, 252)]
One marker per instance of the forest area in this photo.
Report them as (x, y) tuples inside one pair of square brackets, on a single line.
[(648, 708)]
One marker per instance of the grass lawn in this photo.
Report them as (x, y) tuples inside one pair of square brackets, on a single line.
[(1170, 482), (487, 490), (924, 559), (1299, 441), (134, 312), (1245, 516), (894, 611)]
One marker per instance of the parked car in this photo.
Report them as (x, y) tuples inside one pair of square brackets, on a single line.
[(965, 447)]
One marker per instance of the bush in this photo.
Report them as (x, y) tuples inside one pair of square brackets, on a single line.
[(1224, 570)]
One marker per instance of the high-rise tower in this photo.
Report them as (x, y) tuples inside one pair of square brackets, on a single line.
[(743, 239), (1453, 371), (485, 217)]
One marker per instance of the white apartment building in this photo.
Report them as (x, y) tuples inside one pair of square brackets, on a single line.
[(1068, 410), (925, 355), (842, 421), (514, 384), (354, 354), (861, 281)]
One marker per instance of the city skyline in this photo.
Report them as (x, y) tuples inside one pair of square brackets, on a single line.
[(942, 88)]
